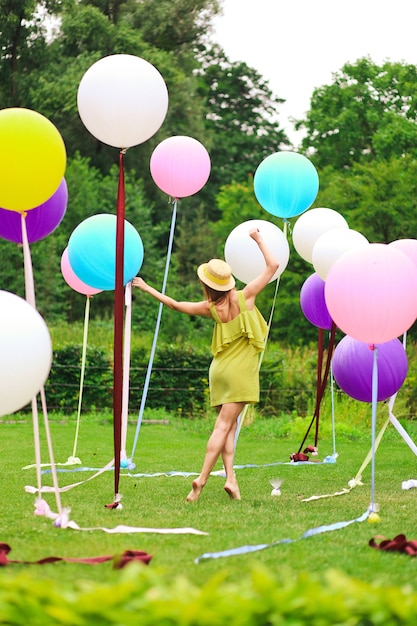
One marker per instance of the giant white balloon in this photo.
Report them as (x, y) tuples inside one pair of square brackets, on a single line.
[(243, 255), (332, 244), (310, 225), (25, 354), (122, 100)]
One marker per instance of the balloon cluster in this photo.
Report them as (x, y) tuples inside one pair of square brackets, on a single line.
[(33, 197), (368, 290)]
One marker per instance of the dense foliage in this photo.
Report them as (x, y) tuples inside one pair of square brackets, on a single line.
[(360, 132), (262, 598)]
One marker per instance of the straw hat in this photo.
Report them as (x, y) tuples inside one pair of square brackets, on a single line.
[(216, 274)]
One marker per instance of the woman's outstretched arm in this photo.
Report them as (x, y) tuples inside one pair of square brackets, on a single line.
[(190, 308), (256, 285)]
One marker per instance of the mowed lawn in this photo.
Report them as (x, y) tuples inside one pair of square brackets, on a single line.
[(155, 501)]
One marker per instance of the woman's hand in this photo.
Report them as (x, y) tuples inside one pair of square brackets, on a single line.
[(255, 234), (139, 282)]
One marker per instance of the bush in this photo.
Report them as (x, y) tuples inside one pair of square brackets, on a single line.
[(62, 388), (143, 596)]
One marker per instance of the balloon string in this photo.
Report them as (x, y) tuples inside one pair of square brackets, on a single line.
[(319, 377), (155, 338), (126, 367), (333, 411), (374, 405), (83, 360), (322, 387), (242, 415), (30, 298), (118, 325)]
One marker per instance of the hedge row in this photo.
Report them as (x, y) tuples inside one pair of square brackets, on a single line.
[(142, 596), (178, 381)]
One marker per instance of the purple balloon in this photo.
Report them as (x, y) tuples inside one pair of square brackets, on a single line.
[(313, 304), (40, 221), (352, 365)]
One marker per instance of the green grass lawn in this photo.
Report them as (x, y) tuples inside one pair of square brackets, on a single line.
[(159, 502)]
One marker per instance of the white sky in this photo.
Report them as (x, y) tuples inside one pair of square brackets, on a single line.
[(297, 44)]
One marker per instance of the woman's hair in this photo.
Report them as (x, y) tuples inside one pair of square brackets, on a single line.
[(213, 295)]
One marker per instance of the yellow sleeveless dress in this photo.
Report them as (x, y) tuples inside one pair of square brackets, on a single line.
[(234, 370)]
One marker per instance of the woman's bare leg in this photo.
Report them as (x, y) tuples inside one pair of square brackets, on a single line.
[(225, 423), (228, 456)]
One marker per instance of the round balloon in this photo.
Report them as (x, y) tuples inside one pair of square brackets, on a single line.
[(332, 244), (180, 166), (122, 100), (32, 159), (72, 279), (371, 293), (242, 253), (286, 184), (352, 365), (311, 225), (25, 355), (313, 304), (408, 246), (40, 221), (92, 251)]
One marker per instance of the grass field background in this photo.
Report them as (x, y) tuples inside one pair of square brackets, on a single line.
[(159, 502)]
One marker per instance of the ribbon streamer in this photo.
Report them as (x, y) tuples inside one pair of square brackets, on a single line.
[(321, 381), (126, 367), (155, 337), (118, 324), (73, 458), (119, 561), (256, 548)]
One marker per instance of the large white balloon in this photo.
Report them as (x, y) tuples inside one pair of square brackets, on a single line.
[(25, 354), (332, 244), (243, 255), (122, 100), (310, 225)]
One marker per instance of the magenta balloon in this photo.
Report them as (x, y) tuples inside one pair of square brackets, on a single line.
[(40, 221), (180, 166), (408, 246), (313, 304), (72, 280), (371, 293), (352, 366)]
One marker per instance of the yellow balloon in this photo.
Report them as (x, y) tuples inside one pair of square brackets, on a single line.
[(32, 159)]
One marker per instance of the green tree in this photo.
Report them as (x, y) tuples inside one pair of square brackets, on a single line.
[(241, 116), (379, 198), (368, 112), (23, 30)]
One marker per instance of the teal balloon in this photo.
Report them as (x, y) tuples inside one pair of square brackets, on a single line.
[(286, 184), (92, 252)]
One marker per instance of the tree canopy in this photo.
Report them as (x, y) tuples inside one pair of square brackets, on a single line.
[(360, 133)]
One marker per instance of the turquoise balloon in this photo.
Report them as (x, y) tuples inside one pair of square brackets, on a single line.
[(286, 184), (92, 252)]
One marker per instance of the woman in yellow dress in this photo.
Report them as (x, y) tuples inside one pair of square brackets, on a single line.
[(239, 336)]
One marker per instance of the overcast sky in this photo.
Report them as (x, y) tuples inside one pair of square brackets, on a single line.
[(298, 44)]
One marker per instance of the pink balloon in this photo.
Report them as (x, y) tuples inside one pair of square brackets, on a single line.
[(72, 280), (180, 166), (371, 293), (408, 246)]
